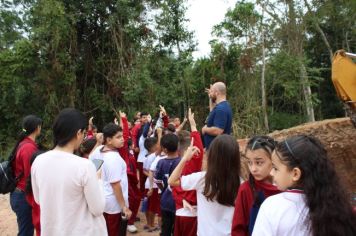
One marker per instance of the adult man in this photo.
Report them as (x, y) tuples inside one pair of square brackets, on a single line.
[(220, 117)]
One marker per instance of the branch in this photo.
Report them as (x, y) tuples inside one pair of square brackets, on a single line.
[(321, 32)]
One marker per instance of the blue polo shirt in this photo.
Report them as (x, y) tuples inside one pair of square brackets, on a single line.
[(220, 117)]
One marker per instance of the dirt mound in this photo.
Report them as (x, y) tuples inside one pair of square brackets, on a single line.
[(338, 137)]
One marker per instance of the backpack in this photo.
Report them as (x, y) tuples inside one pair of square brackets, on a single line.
[(8, 181)]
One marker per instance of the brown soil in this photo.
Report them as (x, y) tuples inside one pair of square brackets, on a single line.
[(339, 139), (8, 225)]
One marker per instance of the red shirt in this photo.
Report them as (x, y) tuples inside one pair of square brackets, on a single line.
[(244, 203), (134, 133), (132, 170), (192, 166), (35, 213), (24, 153), (124, 150)]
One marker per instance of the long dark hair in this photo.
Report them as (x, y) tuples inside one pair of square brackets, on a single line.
[(29, 125), (222, 179), (330, 211), (28, 188), (255, 143), (66, 125)]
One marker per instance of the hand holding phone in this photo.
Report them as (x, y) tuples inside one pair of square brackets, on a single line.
[(98, 163)]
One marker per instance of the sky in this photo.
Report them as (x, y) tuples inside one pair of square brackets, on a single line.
[(203, 15)]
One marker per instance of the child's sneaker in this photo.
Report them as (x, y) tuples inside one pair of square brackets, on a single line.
[(132, 228)]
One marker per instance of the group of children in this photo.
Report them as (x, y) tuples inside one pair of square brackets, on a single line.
[(292, 188)]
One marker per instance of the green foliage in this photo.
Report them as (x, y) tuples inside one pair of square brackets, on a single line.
[(134, 55)]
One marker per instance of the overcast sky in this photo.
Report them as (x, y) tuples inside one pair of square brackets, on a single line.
[(203, 15)]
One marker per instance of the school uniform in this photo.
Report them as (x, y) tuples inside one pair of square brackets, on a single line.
[(134, 191), (214, 219), (113, 170), (245, 204), (142, 156), (284, 214), (165, 168), (153, 203), (186, 221)]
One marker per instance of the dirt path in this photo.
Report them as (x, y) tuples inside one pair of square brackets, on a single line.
[(8, 225)]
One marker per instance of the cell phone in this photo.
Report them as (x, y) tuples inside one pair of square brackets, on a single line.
[(98, 163)]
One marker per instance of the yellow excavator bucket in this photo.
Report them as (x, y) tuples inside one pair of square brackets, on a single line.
[(344, 77)]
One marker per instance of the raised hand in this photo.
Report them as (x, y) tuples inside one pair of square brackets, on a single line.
[(191, 151)]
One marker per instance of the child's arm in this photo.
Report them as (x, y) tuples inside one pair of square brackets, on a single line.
[(90, 127), (165, 117), (174, 179), (146, 172), (150, 180), (120, 198), (124, 150), (146, 128), (180, 127)]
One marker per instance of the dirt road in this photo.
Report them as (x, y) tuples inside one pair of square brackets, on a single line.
[(8, 225)]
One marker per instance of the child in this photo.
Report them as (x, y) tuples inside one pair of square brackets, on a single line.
[(142, 135), (315, 202), (259, 186), (153, 200), (165, 167), (134, 191), (216, 187), (114, 177), (66, 186), (186, 219)]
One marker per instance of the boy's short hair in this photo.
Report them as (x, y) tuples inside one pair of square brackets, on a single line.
[(184, 140), (170, 142), (150, 143), (143, 114), (171, 128)]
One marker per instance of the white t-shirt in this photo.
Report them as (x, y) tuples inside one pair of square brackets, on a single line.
[(69, 193), (146, 166), (143, 151), (213, 218), (155, 162), (282, 214), (113, 170)]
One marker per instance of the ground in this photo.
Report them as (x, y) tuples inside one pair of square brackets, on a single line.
[(8, 226)]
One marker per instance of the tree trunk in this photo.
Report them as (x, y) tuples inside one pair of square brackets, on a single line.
[(339, 139), (307, 93), (264, 99), (321, 32)]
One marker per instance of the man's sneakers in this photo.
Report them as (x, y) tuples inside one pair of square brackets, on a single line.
[(132, 228)]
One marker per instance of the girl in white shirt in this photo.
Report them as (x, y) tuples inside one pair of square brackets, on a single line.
[(315, 202), (216, 187), (65, 185)]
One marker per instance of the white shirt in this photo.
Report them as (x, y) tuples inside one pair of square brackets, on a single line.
[(282, 214), (213, 218), (146, 166), (153, 166), (143, 151), (69, 193), (113, 170)]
